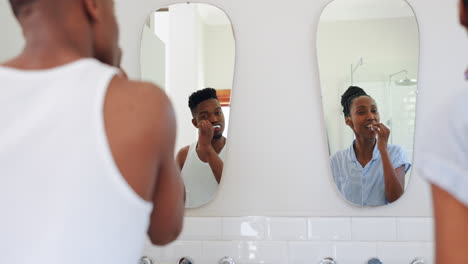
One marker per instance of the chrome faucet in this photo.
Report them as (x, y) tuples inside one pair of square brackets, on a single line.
[(146, 260), (418, 261), (328, 261), (226, 260)]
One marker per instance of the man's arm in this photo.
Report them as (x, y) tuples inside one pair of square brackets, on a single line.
[(169, 193), (205, 150), (451, 227), (140, 126), (215, 162), (168, 205)]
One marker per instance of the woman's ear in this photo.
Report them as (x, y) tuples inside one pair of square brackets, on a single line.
[(90, 7), (348, 121)]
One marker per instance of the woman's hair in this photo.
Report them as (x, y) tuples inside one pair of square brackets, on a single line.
[(348, 97)]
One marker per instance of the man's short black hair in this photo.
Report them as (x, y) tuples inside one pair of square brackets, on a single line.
[(201, 95), (348, 97), (17, 5)]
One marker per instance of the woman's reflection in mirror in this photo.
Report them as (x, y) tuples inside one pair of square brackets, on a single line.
[(202, 161), (370, 172)]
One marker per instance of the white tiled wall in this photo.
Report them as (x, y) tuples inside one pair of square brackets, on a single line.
[(300, 240)]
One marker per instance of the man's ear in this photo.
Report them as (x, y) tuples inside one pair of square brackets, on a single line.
[(91, 10), (194, 122)]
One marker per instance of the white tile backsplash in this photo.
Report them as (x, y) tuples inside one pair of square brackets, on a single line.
[(355, 252), (404, 252), (265, 252), (201, 228), (300, 240), (176, 250), (428, 250), (244, 228), (307, 252), (286, 228), (415, 229), (329, 228), (213, 251), (373, 228)]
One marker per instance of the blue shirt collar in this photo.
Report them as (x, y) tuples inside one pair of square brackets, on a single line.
[(352, 154)]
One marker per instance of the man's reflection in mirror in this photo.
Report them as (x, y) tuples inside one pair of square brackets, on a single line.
[(202, 161), (371, 171)]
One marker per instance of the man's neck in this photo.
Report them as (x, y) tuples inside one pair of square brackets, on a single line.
[(50, 45)]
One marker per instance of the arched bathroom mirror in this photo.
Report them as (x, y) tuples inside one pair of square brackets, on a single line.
[(368, 54), (189, 50)]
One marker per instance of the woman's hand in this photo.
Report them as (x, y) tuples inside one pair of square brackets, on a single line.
[(383, 133)]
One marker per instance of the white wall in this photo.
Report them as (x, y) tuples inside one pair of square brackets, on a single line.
[(219, 52), (10, 35)]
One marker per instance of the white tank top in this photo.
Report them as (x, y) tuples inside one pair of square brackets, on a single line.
[(62, 197), (200, 182)]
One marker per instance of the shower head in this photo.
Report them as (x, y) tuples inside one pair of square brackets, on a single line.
[(403, 82), (406, 82)]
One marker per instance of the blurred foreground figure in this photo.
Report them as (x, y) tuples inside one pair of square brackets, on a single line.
[(444, 164), (87, 166)]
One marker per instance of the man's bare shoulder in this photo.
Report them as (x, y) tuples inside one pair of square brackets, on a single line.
[(182, 156), (140, 128), (183, 151), (142, 92), (139, 108)]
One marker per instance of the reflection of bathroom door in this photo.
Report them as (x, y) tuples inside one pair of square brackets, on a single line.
[(153, 62)]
